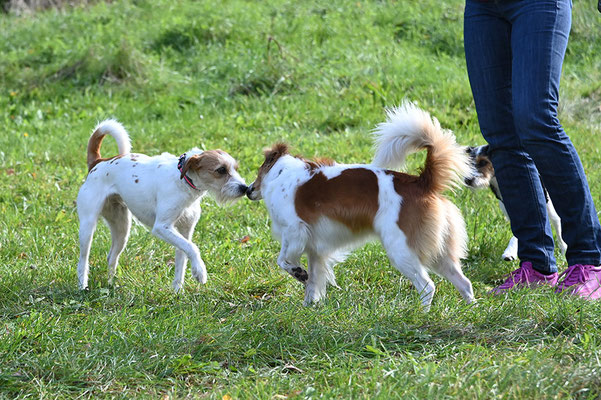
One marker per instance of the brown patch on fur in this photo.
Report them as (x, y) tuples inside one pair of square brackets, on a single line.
[(420, 216), (94, 149), (94, 156), (484, 166), (318, 162), (350, 198)]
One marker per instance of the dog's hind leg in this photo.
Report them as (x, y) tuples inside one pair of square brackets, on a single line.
[(406, 261), (556, 223), (448, 263), (118, 218), (185, 225), (450, 268), (88, 211)]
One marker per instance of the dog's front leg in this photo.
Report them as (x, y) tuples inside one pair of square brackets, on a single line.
[(289, 260), (511, 252), (185, 225), (556, 223), (167, 232)]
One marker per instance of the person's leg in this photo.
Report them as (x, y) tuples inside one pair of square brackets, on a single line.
[(540, 31), (487, 40)]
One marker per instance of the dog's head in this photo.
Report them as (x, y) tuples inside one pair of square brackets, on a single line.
[(217, 172), (482, 166), (272, 155)]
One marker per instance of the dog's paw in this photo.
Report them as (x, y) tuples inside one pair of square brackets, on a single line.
[(300, 274), (509, 257), (199, 273), (177, 286), (312, 295), (200, 276), (511, 251)]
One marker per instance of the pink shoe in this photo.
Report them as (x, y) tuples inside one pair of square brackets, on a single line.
[(525, 276), (582, 280)]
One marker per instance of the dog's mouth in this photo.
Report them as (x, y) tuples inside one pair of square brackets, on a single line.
[(476, 182), (253, 194), (230, 192)]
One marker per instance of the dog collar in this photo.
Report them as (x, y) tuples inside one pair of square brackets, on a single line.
[(180, 166)]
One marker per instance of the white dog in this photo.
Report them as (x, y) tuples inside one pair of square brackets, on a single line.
[(162, 192), (324, 209), (484, 176)]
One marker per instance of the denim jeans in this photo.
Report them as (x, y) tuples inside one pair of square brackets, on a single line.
[(514, 51)]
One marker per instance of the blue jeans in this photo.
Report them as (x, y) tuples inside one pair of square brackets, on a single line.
[(514, 51)]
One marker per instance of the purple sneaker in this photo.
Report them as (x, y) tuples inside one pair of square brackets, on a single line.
[(525, 276), (582, 280)]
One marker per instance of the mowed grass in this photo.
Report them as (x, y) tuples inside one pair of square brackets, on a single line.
[(240, 75)]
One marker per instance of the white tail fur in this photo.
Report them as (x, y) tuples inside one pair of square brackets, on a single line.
[(114, 129)]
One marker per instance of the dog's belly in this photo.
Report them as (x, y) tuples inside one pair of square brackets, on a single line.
[(145, 216), (330, 235)]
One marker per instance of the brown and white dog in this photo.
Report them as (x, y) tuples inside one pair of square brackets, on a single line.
[(324, 209), (162, 192), (484, 177)]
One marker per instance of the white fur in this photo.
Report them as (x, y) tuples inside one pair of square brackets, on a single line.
[(150, 188), (114, 129)]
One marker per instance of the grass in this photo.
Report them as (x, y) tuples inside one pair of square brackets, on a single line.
[(241, 75)]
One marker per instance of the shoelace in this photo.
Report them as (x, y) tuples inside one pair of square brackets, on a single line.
[(575, 274), (515, 277)]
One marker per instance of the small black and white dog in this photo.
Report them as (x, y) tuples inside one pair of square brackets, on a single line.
[(485, 177)]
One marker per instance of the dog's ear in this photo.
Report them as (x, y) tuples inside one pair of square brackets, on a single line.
[(192, 162), (275, 152)]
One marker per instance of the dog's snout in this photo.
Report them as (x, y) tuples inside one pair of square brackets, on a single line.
[(469, 181), (249, 190), (243, 188)]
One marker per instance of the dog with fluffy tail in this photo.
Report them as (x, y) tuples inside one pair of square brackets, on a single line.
[(325, 210)]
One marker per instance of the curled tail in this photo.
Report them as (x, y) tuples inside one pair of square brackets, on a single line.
[(408, 129), (107, 127)]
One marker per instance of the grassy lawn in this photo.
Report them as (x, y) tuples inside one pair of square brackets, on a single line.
[(239, 75)]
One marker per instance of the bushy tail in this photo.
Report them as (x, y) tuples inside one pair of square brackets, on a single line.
[(107, 127), (408, 129)]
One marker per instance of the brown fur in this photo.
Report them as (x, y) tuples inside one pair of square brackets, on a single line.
[(317, 163), (484, 166), (350, 198), (94, 156)]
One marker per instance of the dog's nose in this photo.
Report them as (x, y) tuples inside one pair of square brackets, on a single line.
[(243, 188), (469, 181), (249, 190)]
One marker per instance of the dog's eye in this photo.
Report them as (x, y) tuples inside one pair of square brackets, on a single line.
[(221, 170), (481, 163)]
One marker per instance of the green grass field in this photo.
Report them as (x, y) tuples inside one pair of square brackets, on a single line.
[(239, 75)]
